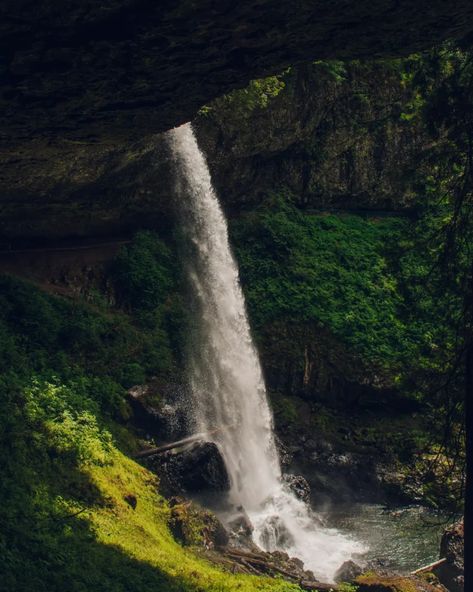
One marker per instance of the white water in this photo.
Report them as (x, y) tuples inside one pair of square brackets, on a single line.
[(226, 379)]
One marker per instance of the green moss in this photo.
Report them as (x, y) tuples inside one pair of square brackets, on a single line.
[(376, 583)]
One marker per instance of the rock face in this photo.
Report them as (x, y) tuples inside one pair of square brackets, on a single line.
[(333, 142), (121, 68), (452, 548), (305, 358), (80, 83), (335, 138)]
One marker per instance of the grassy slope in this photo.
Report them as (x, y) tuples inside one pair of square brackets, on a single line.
[(66, 522)]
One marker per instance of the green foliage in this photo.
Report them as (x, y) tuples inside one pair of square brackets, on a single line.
[(330, 269), (284, 409), (43, 333), (148, 284), (65, 520), (337, 69), (361, 279), (242, 102), (143, 273)]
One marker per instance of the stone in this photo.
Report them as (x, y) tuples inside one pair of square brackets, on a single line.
[(198, 469), (451, 573), (299, 485), (241, 524), (347, 572), (153, 414), (192, 525), (285, 456)]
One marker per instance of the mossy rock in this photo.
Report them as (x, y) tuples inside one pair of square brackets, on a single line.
[(372, 582), (195, 526)]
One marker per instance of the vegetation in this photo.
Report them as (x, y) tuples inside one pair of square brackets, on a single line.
[(67, 521), (396, 293), (256, 95), (76, 513), (355, 276)]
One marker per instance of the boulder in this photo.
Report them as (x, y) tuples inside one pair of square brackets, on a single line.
[(192, 525), (298, 485), (241, 524), (347, 572), (197, 469), (451, 573), (241, 531), (373, 582), (154, 413)]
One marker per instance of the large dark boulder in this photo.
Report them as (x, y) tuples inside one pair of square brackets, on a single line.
[(156, 412), (199, 469)]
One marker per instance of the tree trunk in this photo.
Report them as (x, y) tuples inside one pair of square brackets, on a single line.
[(468, 520)]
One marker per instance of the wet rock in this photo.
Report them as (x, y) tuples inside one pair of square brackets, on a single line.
[(240, 531), (198, 469), (275, 534), (285, 456), (154, 414), (299, 485), (347, 572), (451, 573), (241, 524)]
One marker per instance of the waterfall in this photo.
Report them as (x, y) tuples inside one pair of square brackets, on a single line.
[(228, 391)]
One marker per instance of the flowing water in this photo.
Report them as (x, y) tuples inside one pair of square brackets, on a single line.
[(228, 391)]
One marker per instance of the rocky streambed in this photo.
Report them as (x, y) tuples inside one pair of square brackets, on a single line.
[(399, 539)]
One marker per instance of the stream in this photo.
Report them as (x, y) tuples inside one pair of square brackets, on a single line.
[(400, 539)]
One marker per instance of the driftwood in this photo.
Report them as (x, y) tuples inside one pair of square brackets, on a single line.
[(169, 446), (429, 567), (316, 586)]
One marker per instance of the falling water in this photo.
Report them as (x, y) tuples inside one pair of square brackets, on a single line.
[(226, 379)]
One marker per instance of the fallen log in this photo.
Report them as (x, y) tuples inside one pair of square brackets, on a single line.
[(429, 567), (164, 447), (260, 563), (266, 565), (250, 567), (246, 554), (316, 586)]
